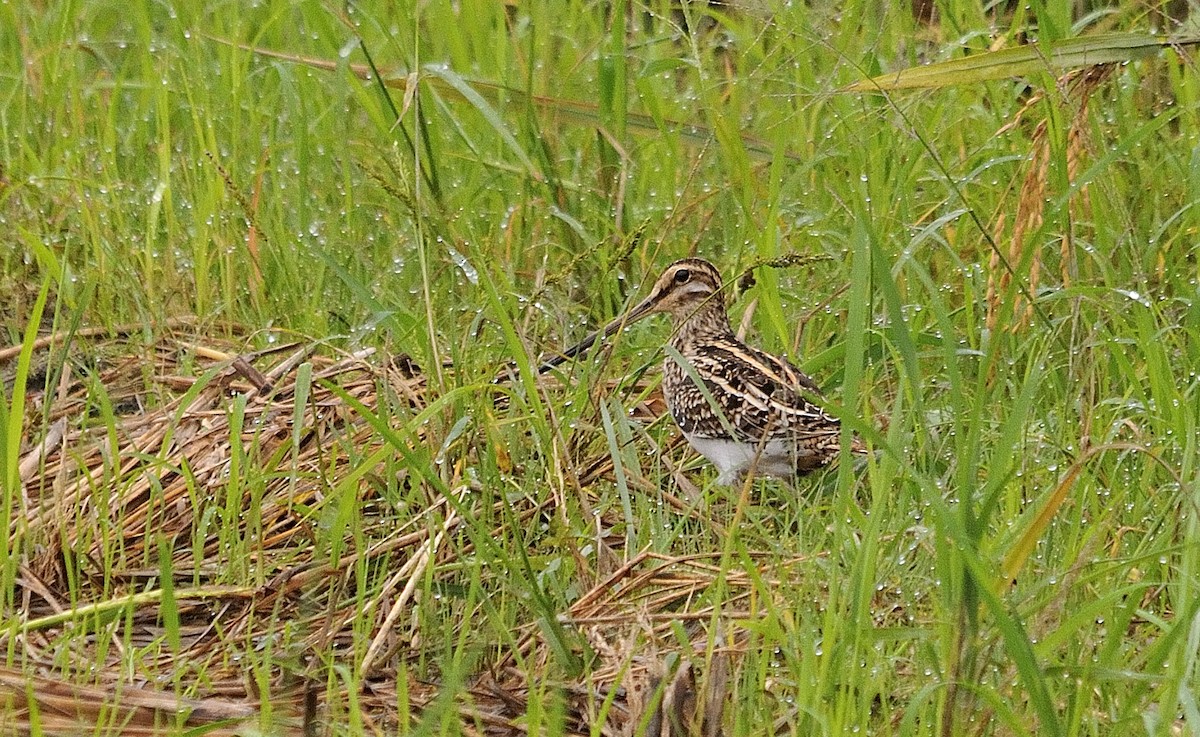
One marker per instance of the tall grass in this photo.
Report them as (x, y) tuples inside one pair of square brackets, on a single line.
[(1019, 557)]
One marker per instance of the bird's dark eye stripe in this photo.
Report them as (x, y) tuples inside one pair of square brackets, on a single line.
[(682, 276)]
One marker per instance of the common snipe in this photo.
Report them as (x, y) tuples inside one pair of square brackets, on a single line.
[(755, 414)]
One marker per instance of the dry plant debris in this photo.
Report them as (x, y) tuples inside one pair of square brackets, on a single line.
[(1076, 91), (117, 492)]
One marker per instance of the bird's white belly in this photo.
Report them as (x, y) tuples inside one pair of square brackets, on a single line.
[(732, 458)]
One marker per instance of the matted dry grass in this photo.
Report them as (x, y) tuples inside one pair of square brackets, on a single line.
[(109, 494)]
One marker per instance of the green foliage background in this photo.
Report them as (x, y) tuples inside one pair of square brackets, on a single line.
[(1022, 550)]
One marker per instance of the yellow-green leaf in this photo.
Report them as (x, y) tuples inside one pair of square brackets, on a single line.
[(1054, 58)]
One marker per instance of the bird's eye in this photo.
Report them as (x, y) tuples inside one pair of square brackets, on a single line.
[(682, 276)]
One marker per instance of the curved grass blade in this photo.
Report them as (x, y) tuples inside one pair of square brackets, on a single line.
[(471, 95)]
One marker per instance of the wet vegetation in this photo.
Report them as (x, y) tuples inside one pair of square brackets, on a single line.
[(276, 455)]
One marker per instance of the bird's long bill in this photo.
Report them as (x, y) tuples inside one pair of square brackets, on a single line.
[(637, 312)]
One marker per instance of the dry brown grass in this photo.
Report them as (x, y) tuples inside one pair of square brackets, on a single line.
[(89, 639), (1075, 90)]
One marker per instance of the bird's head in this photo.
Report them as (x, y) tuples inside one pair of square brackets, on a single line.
[(688, 288), (684, 288)]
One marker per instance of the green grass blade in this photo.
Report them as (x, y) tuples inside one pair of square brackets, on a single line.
[(12, 425), (489, 113)]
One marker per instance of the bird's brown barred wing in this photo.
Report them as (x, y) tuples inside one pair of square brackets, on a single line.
[(759, 395)]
